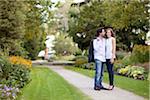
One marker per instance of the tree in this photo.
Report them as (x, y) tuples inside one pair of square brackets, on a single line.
[(64, 45), (84, 23), (37, 14), (11, 26), (128, 18)]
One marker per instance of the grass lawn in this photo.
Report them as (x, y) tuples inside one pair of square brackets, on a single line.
[(47, 85), (138, 87)]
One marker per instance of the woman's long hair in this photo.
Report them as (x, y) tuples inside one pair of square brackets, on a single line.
[(112, 32)]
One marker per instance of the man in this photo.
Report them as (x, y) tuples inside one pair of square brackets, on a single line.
[(99, 58)]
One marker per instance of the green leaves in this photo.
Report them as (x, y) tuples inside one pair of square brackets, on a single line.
[(64, 45), (11, 24), (123, 16), (13, 74)]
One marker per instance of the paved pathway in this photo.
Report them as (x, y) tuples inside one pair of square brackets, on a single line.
[(85, 84)]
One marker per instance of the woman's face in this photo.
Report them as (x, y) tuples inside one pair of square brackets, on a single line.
[(108, 33)]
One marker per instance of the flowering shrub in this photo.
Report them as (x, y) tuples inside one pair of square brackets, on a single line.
[(20, 60), (133, 71), (8, 93), (123, 71), (17, 75)]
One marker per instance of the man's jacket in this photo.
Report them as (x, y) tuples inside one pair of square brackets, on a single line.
[(91, 52)]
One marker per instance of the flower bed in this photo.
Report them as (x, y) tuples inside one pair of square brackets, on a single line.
[(20, 60), (14, 74), (135, 72), (8, 93)]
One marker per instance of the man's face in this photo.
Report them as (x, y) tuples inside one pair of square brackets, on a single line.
[(103, 32)]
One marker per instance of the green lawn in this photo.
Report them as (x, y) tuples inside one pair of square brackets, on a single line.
[(47, 85), (138, 87)]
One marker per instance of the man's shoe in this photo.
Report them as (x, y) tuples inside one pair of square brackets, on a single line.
[(97, 88)]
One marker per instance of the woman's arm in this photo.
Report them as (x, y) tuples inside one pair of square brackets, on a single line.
[(114, 47), (113, 50)]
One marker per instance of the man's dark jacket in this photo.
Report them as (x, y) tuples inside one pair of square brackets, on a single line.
[(91, 52)]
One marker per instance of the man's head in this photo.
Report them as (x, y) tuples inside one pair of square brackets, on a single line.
[(100, 32)]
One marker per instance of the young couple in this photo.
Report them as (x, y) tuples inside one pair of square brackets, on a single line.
[(102, 51)]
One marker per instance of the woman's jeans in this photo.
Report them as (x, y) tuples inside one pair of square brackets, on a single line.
[(98, 73), (110, 71)]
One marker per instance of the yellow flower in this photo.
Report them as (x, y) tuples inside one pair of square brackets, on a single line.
[(20, 60)]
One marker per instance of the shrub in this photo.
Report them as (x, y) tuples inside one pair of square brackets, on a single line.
[(64, 45), (133, 71), (8, 93), (125, 71), (90, 66), (148, 78), (66, 58), (120, 54), (137, 72), (13, 74), (117, 65), (126, 60), (81, 61), (21, 61), (78, 52), (140, 54)]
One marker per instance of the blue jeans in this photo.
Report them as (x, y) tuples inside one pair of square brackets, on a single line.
[(98, 73), (110, 71)]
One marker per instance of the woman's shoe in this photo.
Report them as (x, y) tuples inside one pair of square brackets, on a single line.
[(111, 87)]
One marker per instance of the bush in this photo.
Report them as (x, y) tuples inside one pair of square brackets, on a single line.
[(137, 72), (148, 78), (127, 60), (90, 66), (140, 54), (133, 71), (64, 45), (78, 52), (8, 93), (120, 54), (118, 65), (13, 74), (21, 61), (66, 58), (81, 61)]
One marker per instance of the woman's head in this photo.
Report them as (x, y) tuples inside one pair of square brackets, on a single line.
[(109, 33), (100, 32)]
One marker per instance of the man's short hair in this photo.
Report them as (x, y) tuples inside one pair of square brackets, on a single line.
[(99, 31)]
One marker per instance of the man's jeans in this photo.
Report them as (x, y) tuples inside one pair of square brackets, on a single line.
[(98, 73)]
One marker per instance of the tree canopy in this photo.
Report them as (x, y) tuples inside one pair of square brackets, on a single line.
[(129, 19), (21, 26)]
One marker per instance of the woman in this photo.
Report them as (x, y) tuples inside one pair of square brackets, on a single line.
[(110, 55)]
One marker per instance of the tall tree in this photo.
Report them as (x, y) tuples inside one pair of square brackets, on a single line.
[(37, 14), (11, 26), (84, 22), (129, 19)]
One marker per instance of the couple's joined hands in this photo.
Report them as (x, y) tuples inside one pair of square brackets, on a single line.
[(112, 60)]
